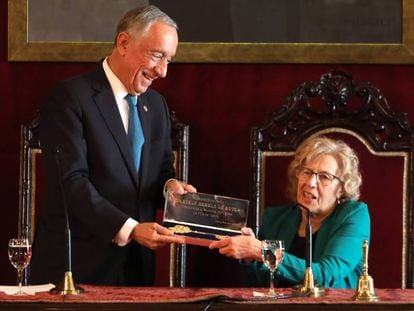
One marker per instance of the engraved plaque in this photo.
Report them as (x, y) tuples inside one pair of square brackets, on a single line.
[(202, 217)]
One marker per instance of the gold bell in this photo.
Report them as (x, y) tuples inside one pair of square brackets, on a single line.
[(365, 290)]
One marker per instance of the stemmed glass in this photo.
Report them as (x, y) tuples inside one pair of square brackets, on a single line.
[(20, 252), (272, 256)]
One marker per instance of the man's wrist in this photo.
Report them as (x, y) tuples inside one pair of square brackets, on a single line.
[(123, 237)]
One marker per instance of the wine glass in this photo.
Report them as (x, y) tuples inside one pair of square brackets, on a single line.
[(20, 252), (272, 256)]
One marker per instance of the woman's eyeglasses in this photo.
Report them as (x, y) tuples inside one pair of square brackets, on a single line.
[(323, 178)]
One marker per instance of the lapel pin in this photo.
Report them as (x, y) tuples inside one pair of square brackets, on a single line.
[(145, 108)]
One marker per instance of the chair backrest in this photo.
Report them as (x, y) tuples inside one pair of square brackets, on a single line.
[(29, 153), (359, 114), (180, 144), (32, 183)]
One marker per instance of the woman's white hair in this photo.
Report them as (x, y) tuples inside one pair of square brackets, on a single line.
[(345, 156)]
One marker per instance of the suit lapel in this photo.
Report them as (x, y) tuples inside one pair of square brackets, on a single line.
[(144, 115), (106, 104)]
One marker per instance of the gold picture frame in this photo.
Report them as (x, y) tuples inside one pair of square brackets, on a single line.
[(21, 49)]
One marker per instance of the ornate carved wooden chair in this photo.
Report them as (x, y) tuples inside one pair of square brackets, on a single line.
[(359, 114), (32, 181), (30, 171), (180, 144)]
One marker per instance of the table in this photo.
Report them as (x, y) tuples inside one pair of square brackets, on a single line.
[(104, 298)]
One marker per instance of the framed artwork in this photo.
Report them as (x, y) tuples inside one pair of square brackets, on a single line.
[(222, 31)]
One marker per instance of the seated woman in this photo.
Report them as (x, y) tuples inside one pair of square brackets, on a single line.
[(324, 177)]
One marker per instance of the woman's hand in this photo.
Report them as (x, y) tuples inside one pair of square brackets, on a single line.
[(244, 246)]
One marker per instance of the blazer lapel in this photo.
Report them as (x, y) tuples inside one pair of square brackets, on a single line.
[(144, 115), (105, 102)]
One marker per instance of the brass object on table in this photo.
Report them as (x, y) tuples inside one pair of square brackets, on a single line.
[(308, 286), (67, 286), (365, 290)]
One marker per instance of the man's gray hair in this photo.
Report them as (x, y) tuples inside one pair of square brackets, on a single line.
[(139, 20)]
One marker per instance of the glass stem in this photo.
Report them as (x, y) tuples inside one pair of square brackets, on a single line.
[(19, 276), (272, 282)]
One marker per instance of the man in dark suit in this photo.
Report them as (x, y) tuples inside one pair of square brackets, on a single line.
[(83, 131)]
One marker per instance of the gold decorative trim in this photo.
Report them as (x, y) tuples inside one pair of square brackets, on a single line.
[(19, 49)]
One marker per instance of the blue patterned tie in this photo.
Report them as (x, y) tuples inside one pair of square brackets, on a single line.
[(135, 133)]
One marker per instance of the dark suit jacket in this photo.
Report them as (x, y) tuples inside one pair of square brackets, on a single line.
[(101, 187)]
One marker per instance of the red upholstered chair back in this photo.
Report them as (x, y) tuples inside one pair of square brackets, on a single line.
[(359, 114), (171, 262)]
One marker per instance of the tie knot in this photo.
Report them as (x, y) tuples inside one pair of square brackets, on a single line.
[(131, 100)]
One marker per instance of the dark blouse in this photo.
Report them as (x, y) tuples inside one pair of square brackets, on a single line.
[(298, 249)]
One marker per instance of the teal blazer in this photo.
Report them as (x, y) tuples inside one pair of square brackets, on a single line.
[(337, 258)]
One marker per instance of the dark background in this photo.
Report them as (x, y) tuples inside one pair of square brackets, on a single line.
[(220, 102), (378, 21)]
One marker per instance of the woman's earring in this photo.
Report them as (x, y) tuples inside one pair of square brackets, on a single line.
[(338, 201)]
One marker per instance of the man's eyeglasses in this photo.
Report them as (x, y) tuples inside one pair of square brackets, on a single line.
[(158, 56), (323, 178)]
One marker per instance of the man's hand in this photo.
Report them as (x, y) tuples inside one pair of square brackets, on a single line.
[(153, 235), (179, 187)]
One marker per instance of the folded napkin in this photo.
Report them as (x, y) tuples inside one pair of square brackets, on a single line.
[(31, 289)]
